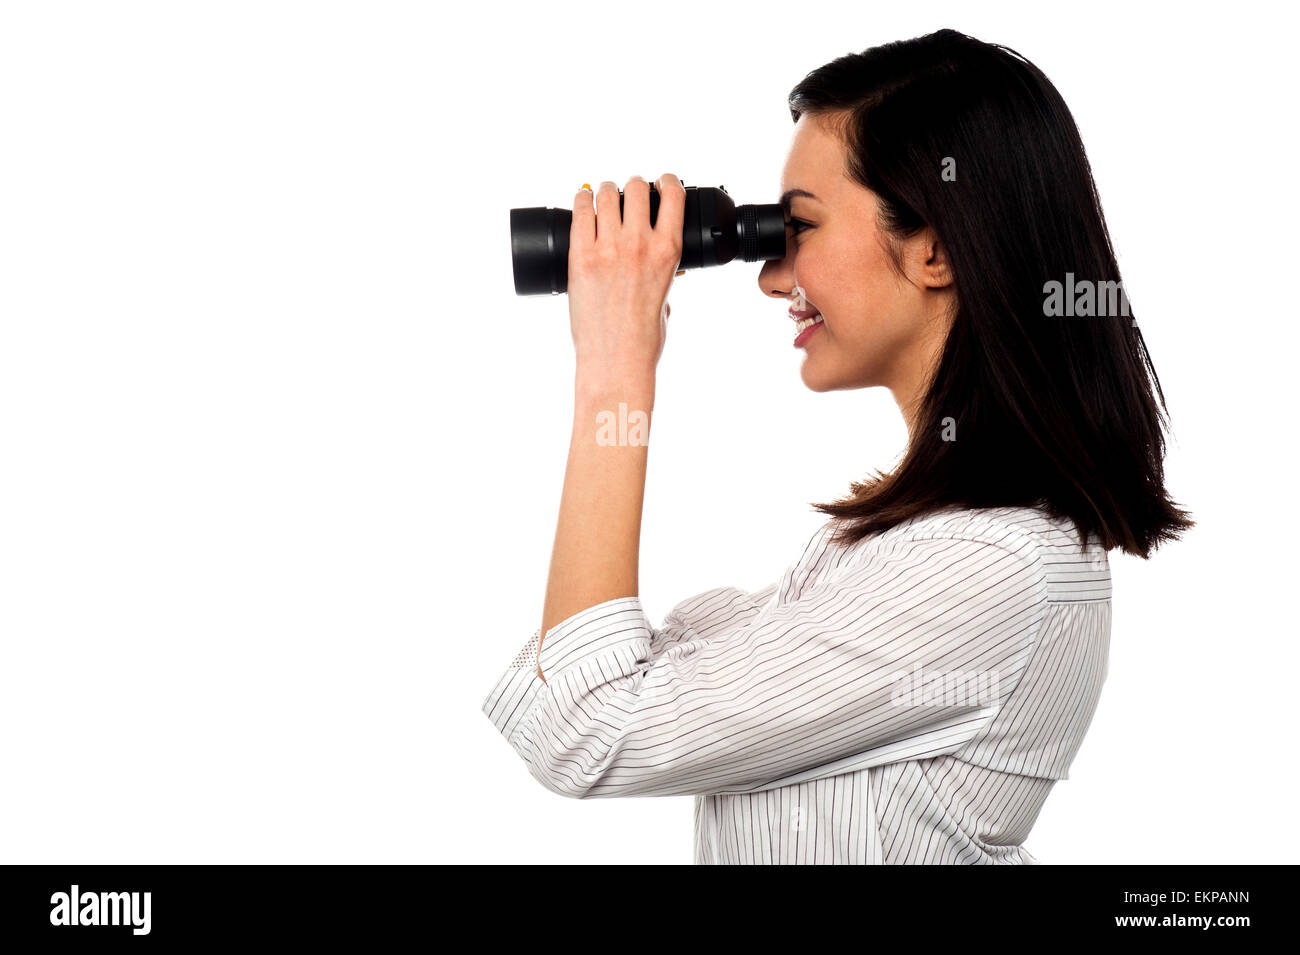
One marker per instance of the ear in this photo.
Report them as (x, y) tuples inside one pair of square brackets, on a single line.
[(932, 266)]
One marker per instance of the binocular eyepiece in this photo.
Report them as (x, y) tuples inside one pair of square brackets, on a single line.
[(714, 231)]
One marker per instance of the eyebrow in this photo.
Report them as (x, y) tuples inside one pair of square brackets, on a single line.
[(790, 194)]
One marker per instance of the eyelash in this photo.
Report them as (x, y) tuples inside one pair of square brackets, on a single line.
[(793, 223)]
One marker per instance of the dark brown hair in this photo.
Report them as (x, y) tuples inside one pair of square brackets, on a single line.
[(1024, 408)]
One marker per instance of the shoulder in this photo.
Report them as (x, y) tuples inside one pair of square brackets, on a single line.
[(1064, 568)]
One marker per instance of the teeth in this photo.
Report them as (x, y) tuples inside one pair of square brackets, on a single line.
[(800, 325)]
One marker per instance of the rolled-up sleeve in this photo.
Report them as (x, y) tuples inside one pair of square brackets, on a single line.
[(740, 692)]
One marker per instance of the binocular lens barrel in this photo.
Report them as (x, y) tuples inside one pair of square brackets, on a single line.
[(714, 232)]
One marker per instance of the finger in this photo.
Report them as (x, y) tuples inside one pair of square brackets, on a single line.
[(582, 233), (607, 221), (636, 204), (672, 212)]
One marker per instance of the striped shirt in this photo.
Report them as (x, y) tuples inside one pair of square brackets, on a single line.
[(910, 698)]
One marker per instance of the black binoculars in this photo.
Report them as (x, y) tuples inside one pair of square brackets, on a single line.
[(714, 231)]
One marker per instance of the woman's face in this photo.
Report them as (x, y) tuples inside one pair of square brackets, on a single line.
[(878, 327)]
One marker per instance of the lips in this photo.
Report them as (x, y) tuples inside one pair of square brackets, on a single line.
[(799, 314), (806, 329)]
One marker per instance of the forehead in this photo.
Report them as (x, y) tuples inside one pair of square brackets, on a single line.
[(816, 155)]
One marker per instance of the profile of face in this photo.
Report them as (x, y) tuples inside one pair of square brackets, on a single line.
[(878, 327)]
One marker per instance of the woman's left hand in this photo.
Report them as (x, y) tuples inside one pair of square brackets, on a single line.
[(620, 271)]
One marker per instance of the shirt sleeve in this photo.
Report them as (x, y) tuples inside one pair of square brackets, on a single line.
[(907, 653), (692, 619), (710, 612)]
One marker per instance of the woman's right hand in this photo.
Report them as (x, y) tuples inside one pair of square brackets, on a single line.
[(620, 272)]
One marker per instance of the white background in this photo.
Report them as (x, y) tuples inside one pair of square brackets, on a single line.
[(282, 450)]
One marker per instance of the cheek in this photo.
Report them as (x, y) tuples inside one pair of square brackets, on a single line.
[(869, 328), (854, 284), (881, 289)]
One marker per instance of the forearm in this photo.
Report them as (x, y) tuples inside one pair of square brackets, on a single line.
[(598, 534)]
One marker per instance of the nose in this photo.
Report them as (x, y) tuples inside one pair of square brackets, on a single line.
[(776, 278)]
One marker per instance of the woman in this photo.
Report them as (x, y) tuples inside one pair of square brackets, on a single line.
[(915, 683)]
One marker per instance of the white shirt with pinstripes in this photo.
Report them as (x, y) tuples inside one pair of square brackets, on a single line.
[(911, 698)]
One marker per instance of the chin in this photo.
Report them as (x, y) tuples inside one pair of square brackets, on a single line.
[(814, 383), (816, 379)]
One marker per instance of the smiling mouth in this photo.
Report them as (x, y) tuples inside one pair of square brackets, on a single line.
[(806, 329), (805, 323)]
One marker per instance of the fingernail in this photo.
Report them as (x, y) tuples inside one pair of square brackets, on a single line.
[(587, 186)]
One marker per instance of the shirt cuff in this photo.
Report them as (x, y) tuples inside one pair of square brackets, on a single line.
[(608, 640), (615, 632)]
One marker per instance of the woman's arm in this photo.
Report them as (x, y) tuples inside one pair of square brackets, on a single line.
[(909, 651), (620, 270), (598, 534)]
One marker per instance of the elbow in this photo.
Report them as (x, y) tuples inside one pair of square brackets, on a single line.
[(568, 775), (562, 785)]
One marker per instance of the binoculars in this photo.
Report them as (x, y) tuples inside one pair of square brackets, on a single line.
[(714, 232)]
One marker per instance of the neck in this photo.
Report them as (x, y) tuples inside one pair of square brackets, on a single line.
[(910, 407), (909, 391)]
